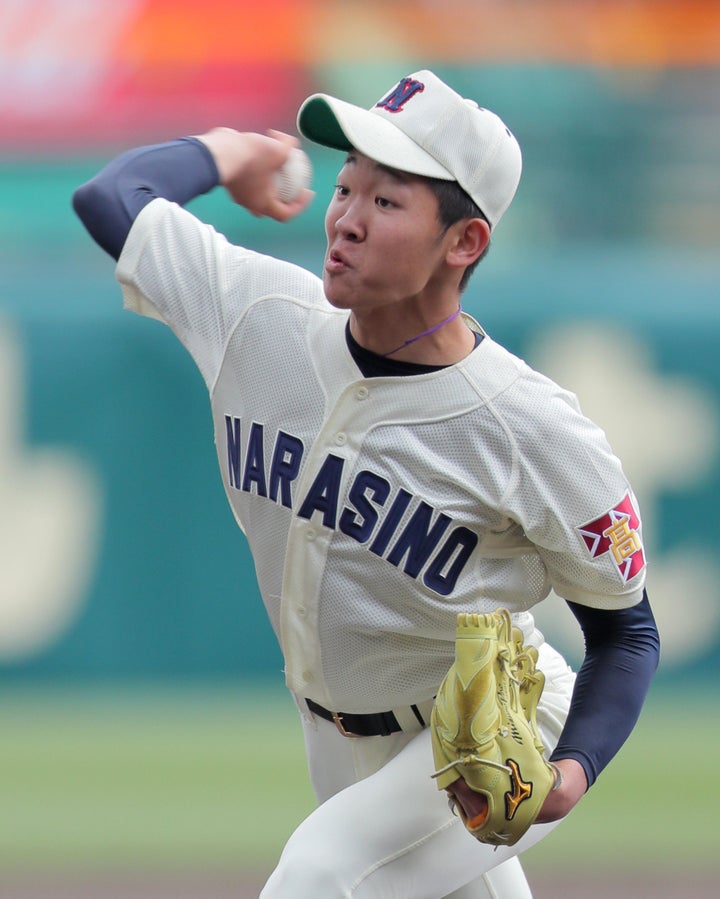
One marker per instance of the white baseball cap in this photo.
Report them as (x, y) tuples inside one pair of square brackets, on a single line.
[(424, 127)]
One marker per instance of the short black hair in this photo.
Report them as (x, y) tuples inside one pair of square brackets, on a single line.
[(454, 204)]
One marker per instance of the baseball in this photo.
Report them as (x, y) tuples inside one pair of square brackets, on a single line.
[(294, 176)]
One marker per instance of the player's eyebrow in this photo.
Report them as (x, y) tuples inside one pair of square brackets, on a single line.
[(395, 174)]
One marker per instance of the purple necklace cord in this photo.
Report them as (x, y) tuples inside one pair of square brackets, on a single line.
[(445, 321)]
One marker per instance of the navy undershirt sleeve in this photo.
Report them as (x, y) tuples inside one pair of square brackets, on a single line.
[(622, 650), (109, 203)]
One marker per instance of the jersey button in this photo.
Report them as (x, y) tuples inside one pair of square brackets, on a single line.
[(362, 393), (302, 611), (310, 534), (341, 438)]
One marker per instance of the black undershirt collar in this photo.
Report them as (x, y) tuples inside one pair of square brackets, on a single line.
[(374, 366)]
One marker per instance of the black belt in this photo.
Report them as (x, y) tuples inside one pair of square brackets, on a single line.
[(375, 724)]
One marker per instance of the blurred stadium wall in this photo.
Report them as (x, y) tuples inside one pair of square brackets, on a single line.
[(118, 556)]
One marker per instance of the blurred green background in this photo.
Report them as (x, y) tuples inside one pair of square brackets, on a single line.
[(144, 723)]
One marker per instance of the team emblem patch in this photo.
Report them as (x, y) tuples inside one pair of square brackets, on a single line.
[(617, 532), (398, 97)]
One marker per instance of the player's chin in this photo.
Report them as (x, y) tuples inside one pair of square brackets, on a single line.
[(337, 293)]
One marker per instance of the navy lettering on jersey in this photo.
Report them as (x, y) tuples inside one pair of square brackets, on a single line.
[(392, 520), (444, 570), (425, 546), (324, 492), (397, 98), (232, 432), (418, 540), (254, 471), (359, 522), (285, 467)]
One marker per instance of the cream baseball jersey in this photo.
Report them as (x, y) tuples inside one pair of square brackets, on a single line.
[(377, 508)]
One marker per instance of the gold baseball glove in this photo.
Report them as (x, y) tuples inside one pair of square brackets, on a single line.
[(484, 727)]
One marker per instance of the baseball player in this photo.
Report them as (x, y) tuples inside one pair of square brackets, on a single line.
[(391, 466)]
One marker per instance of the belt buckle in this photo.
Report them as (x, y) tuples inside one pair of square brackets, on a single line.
[(337, 720)]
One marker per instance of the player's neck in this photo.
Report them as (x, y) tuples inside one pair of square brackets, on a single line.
[(437, 340)]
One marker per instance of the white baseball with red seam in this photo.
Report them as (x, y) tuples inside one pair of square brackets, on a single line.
[(294, 176)]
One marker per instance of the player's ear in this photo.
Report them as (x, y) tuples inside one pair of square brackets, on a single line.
[(469, 238)]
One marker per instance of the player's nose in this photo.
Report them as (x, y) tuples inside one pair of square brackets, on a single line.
[(349, 223)]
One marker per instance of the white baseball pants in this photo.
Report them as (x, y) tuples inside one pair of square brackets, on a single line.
[(383, 830)]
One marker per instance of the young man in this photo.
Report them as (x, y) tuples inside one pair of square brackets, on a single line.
[(390, 466)]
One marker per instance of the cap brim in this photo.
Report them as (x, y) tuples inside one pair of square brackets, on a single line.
[(334, 123)]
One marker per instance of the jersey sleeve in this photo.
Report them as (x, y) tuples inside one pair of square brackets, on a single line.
[(573, 500), (181, 271)]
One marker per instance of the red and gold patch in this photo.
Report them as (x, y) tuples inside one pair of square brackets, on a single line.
[(617, 532)]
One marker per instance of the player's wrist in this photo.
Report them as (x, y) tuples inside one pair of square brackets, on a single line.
[(572, 771), (228, 148), (557, 783), (569, 786)]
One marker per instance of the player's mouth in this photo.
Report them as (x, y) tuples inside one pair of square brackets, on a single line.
[(336, 263)]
